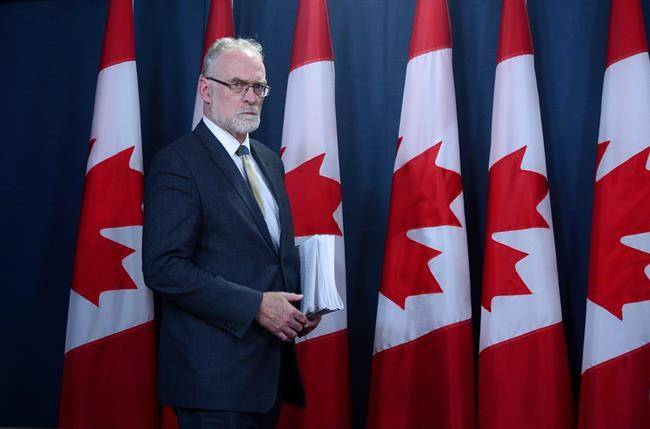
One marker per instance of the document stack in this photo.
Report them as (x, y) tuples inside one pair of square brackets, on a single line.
[(320, 295)]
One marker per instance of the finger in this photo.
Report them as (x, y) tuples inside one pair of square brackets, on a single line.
[(290, 333), (292, 297), (301, 318), (295, 325), (281, 336), (311, 325)]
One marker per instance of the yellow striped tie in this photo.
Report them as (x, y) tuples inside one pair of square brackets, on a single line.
[(244, 154)]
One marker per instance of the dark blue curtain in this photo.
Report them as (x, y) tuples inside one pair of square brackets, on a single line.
[(49, 58)]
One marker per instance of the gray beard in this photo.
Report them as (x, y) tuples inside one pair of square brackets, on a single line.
[(240, 124)]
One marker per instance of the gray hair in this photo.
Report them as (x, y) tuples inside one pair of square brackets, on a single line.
[(226, 44)]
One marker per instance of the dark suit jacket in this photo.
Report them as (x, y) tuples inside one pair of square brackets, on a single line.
[(208, 253)]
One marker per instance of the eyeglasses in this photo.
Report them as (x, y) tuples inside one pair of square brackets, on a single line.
[(240, 87)]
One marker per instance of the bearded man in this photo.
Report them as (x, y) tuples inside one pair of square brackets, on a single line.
[(218, 248)]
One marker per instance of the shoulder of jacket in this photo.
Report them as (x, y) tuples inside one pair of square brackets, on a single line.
[(265, 151), (182, 146), (181, 153)]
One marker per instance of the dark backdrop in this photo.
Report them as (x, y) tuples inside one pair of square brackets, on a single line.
[(49, 58)]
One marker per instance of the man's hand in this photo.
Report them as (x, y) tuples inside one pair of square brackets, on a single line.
[(310, 326), (278, 316)]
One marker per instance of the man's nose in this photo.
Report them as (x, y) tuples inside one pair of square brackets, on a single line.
[(249, 95)]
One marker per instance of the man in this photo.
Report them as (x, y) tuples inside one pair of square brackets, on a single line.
[(218, 247)]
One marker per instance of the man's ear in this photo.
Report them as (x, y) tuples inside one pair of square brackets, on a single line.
[(205, 90)]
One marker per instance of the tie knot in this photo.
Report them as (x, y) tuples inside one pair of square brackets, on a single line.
[(242, 150)]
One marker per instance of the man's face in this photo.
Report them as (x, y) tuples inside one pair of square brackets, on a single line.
[(239, 114)]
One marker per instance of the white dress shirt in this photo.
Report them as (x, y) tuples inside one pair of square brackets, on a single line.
[(230, 143)]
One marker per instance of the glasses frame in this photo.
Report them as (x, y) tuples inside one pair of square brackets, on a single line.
[(264, 89)]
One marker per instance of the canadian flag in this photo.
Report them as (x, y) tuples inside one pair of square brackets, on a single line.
[(109, 365), (523, 370), (220, 24), (616, 358), (313, 181), (422, 367)]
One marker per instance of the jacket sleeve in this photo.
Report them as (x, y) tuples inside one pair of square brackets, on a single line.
[(172, 228)]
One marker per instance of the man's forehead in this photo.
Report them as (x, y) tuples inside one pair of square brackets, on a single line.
[(240, 64)]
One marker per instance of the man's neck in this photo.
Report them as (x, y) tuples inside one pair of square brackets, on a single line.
[(240, 137)]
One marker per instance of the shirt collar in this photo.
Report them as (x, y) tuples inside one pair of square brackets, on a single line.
[(230, 143)]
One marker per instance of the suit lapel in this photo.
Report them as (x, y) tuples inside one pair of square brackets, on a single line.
[(222, 159)]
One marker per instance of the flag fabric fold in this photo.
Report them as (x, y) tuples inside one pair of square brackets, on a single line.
[(422, 366), (523, 368), (220, 24), (310, 155), (109, 363), (616, 357)]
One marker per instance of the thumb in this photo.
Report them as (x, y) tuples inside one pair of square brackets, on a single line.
[(292, 296)]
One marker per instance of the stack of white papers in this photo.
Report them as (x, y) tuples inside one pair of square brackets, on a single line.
[(320, 295)]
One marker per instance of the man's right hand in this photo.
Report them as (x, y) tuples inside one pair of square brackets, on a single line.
[(278, 316)]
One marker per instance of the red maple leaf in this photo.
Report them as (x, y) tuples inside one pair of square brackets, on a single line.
[(313, 198), (513, 197), (421, 197), (112, 199), (621, 208)]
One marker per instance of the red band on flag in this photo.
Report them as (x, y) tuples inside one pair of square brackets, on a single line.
[(119, 45), (614, 394), (626, 31), (417, 385), (323, 362), (431, 28), (529, 369), (220, 23), (514, 36), (312, 41), (97, 394)]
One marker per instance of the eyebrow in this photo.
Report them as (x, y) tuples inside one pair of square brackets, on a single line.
[(234, 79)]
